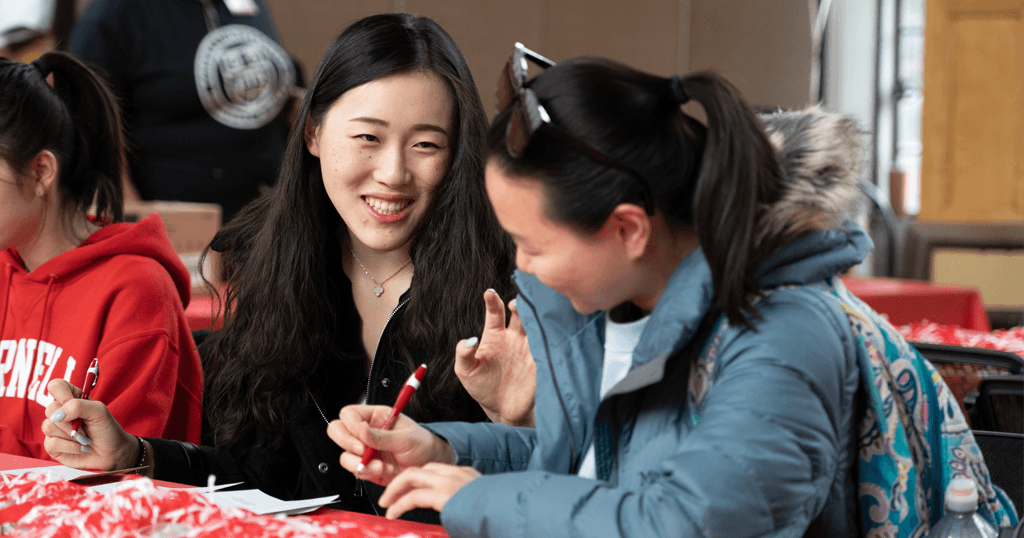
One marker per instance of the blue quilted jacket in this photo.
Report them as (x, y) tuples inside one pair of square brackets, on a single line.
[(745, 433), (753, 438)]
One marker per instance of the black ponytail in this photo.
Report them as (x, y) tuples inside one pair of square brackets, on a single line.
[(740, 176), (77, 119), (718, 179)]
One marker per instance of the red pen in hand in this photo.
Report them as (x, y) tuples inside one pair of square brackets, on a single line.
[(403, 398), (91, 376)]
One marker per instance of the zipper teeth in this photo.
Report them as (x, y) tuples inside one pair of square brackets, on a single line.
[(393, 312), (318, 406), (386, 323)]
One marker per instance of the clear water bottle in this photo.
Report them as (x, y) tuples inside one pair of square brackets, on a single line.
[(961, 519)]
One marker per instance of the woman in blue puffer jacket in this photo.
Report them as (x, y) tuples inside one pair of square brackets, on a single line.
[(697, 356)]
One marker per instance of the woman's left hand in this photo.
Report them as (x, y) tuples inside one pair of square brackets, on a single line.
[(107, 446), (498, 370), (429, 486)]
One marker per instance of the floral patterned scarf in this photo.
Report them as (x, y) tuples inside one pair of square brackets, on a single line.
[(913, 437)]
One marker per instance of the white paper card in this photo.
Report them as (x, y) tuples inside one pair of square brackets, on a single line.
[(105, 488), (59, 471), (258, 502)]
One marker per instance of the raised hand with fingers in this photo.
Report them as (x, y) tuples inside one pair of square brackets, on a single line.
[(497, 369), (103, 444), (406, 445)]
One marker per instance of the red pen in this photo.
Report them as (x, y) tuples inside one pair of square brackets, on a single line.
[(91, 376), (403, 398)]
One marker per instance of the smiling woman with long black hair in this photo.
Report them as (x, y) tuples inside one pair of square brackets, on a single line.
[(368, 257)]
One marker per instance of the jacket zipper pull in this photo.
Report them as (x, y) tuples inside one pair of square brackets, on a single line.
[(359, 488)]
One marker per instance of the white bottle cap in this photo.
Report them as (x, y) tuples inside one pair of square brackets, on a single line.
[(961, 495)]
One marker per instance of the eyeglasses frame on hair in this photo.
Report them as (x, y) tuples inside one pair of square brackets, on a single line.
[(531, 115)]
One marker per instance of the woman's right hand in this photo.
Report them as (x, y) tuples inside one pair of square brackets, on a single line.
[(405, 445), (101, 442)]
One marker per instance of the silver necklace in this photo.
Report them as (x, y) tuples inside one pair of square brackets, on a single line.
[(378, 290)]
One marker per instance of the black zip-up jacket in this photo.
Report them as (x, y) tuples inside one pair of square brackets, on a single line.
[(307, 466)]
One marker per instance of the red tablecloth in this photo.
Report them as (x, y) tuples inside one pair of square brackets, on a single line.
[(33, 507), (911, 301), (1011, 340), (10, 461)]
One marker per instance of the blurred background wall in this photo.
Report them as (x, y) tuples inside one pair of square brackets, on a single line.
[(762, 46), (945, 173)]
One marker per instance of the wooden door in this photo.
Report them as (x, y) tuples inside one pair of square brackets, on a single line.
[(972, 162)]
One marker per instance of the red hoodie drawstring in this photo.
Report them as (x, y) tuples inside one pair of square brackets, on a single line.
[(46, 307), (7, 296)]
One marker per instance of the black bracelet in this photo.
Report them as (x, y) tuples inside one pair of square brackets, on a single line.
[(142, 453)]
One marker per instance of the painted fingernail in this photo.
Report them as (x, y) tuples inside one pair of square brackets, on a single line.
[(86, 449), (492, 291), (58, 416), (83, 440), (471, 343)]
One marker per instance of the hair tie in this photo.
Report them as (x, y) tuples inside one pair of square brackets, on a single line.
[(677, 89), (42, 67)]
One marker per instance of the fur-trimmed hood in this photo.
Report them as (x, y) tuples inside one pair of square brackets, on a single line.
[(821, 156)]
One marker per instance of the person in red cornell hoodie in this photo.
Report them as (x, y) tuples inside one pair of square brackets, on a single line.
[(71, 290)]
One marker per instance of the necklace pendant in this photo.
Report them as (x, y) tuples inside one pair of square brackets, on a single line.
[(378, 290)]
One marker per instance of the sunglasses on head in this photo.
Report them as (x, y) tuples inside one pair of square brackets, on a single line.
[(528, 116)]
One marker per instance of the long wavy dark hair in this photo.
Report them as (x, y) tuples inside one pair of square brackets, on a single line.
[(77, 119), (719, 179), (284, 257)]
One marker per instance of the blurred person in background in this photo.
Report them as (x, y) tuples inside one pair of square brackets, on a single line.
[(30, 28), (205, 88)]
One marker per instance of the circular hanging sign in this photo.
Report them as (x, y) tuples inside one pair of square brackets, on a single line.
[(243, 77)]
